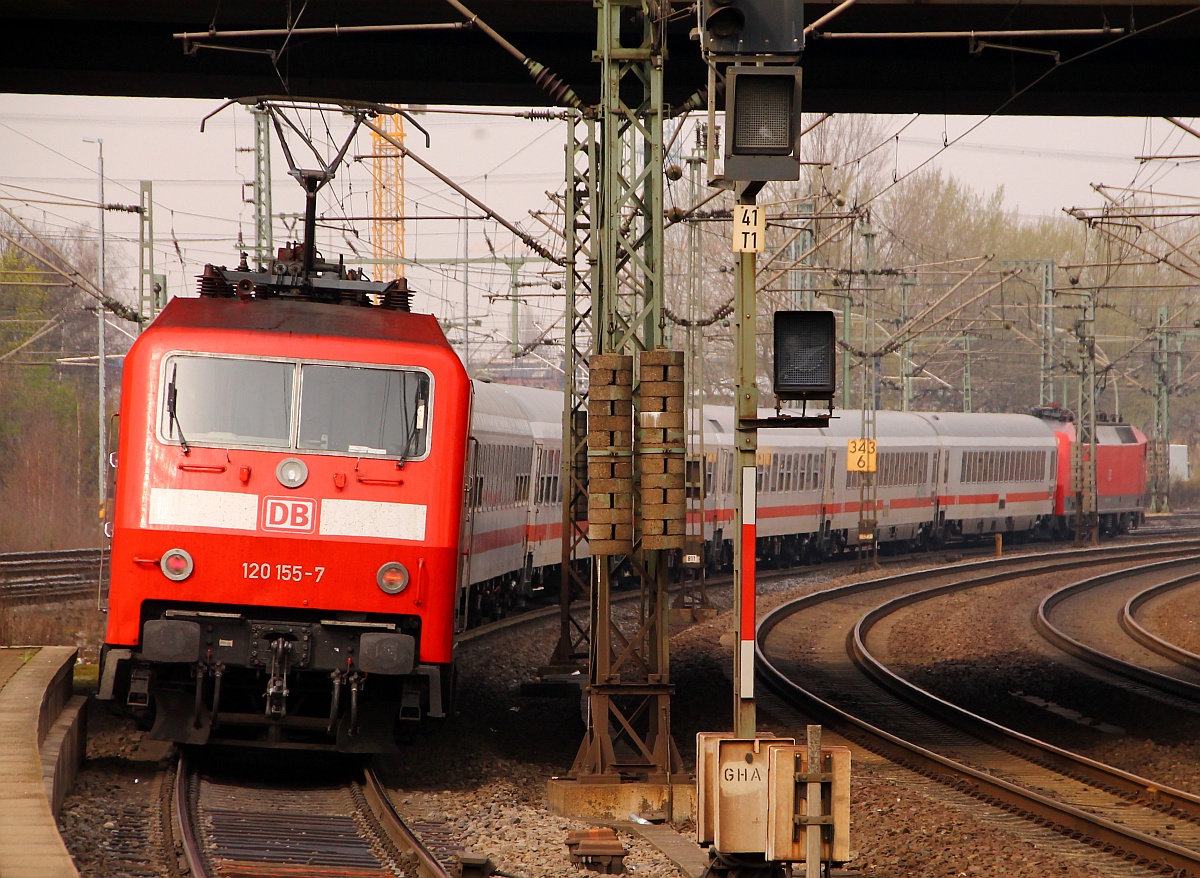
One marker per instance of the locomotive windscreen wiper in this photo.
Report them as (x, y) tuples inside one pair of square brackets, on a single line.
[(173, 418), (417, 423)]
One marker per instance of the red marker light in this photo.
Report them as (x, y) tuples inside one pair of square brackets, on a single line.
[(392, 577), (176, 565)]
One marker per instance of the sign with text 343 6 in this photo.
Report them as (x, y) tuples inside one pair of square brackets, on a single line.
[(749, 228)]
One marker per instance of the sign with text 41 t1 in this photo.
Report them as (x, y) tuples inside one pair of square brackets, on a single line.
[(749, 228)]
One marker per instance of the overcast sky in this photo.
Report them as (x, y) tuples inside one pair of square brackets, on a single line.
[(1044, 165)]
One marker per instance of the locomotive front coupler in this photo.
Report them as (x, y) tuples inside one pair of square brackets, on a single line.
[(277, 688)]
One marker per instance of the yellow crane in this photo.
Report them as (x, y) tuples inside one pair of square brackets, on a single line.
[(387, 198)]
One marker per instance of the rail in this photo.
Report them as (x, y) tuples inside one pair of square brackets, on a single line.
[(1151, 641), (236, 826)]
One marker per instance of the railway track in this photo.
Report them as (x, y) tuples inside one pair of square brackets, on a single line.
[(256, 823), (1140, 633), (829, 641), (1094, 620)]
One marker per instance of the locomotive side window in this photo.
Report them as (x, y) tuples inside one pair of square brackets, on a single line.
[(227, 401), (360, 410)]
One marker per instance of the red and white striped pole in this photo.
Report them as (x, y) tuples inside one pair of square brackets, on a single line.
[(746, 441)]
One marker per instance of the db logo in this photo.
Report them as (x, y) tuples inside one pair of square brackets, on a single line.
[(290, 514)]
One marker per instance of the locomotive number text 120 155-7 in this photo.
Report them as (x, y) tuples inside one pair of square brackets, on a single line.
[(281, 572)]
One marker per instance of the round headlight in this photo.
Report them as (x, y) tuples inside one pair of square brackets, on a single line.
[(392, 577), (177, 565), (292, 472)]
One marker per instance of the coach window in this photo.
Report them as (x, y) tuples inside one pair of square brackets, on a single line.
[(358, 410), (227, 401)]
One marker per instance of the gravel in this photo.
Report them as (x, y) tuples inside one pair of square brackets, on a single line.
[(484, 772)]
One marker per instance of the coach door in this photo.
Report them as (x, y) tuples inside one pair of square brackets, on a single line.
[(828, 485), (472, 496), (534, 501), (934, 493)]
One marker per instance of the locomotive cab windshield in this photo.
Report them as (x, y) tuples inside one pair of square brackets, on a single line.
[(294, 405)]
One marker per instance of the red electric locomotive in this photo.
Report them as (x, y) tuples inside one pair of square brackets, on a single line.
[(1121, 472), (288, 512)]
